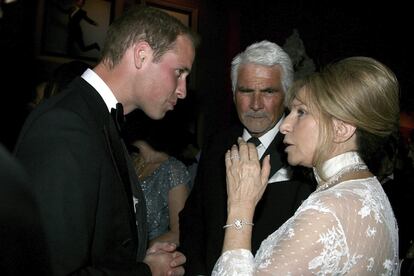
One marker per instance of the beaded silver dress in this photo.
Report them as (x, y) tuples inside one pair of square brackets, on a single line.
[(156, 186), (342, 228)]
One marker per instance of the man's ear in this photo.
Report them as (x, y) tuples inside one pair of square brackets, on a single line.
[(342, 131), (142, 53)]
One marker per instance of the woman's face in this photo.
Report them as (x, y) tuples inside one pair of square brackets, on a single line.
[(301, 131)]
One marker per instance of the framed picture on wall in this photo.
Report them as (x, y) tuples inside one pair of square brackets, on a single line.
[(73, 28), (185, 11)]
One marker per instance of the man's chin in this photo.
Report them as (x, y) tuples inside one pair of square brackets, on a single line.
[(258, 131), (156, 116), (256, 125)]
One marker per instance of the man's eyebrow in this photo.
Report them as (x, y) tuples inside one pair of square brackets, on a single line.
[(270, 88), (241, 87)]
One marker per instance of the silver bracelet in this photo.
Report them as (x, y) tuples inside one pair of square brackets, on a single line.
[(238, 224)]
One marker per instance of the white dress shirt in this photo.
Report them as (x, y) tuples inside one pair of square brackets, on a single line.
[(103, 89), (266, 139)]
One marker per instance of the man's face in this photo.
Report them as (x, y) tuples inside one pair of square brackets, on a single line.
[(259, 97), (166, 80)]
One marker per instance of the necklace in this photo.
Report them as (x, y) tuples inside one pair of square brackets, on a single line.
[(139, 164), (144, 168), (335, 179)]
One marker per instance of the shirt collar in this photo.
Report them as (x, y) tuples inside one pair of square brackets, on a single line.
[(101, 87)]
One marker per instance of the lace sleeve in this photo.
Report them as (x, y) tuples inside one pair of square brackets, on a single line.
[(310, 242), (235, 262), (333, 233), (288, 251)]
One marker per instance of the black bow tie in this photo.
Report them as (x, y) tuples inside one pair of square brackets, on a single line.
[(254, 140), (118, 117)]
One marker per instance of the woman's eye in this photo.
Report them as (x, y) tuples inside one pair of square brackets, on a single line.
[(301, 112)]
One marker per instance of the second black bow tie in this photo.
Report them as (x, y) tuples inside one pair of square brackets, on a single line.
[(118, 117), (254, 140)]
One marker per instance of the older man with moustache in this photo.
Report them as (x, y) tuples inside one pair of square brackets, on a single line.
[(261, 75)]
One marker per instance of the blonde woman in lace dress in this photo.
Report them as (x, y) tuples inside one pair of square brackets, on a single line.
[(338, 119)]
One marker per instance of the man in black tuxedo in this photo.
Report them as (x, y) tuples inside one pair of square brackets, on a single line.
[(261, 75), (90, 203)]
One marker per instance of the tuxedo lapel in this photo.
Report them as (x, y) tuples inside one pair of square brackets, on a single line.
[(277, 154), (126, 173), (118, 158), (141, 206), (103, 119), (123, 166)]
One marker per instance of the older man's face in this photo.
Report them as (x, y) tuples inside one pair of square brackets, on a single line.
[(259, 97)]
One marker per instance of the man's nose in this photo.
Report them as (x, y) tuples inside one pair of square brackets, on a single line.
[(257, 101), (181, 89)]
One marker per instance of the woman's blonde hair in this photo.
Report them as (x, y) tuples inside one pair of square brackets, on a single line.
[(358, 90)]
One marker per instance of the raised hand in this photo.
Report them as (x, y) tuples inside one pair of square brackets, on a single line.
[(246, 181)]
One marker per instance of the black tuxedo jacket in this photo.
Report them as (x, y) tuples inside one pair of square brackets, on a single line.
[(76, 163), (205, 212)]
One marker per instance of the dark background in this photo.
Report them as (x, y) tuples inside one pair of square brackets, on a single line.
[(330, 30)]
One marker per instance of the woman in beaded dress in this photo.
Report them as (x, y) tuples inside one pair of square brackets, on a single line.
[(338, 120), (164, 181)]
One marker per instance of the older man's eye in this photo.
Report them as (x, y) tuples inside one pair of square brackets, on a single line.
[(270, 91)]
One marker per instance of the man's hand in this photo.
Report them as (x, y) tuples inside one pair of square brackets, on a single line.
[(164, 260)]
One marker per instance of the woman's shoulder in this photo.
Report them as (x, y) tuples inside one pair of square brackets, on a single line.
[(175, 163), (177, 171), (364, 197)]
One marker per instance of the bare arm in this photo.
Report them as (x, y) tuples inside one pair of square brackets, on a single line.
[(176, 200)]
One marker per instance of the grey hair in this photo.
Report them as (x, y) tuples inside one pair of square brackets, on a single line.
[(264, 53)]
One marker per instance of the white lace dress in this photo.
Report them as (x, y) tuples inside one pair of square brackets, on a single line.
[(348, 228)]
